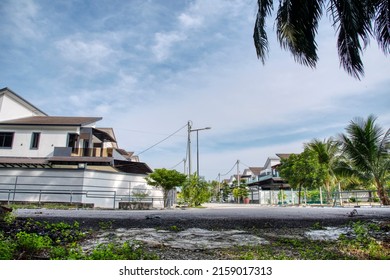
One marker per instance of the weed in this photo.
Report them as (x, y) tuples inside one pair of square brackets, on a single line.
[(104, 225), (317, 226), (31, 244), (362, 244), (125, 251), (174, 228), (7, 248)]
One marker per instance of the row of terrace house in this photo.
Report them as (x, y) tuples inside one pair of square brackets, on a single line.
[(66, 159), (265, 184)]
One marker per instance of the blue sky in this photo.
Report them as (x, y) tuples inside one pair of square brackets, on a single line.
[(148, 67)]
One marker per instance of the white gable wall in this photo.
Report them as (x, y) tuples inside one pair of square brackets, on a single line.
[(11, 109)]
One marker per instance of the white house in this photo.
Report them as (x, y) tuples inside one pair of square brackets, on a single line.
[(65, 159)]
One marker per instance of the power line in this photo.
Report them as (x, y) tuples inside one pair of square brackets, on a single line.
[(183, 160), (230, 169), (244, 164), (169, 136)]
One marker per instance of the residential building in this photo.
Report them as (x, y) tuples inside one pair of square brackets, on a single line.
[(32, 143)]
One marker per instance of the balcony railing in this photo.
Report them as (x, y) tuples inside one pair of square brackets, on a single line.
[(83, 152)]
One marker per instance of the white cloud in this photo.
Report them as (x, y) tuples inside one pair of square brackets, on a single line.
[(24, 20), (189, 21), (94, 55), (164, 43)]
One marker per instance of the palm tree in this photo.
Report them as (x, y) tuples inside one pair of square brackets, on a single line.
[(367, 146), (297, 25), (328, 152)]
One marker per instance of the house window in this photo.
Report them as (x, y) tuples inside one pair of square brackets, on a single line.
[(6, 139), (35, 140), (72, 140)]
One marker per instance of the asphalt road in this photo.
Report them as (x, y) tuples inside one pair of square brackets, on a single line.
[(214, 216)]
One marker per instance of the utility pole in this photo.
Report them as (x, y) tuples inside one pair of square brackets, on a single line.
[(238, 172), (189, 124), (219, 188)]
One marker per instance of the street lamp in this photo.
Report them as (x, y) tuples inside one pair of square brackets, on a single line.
[(197, 147)]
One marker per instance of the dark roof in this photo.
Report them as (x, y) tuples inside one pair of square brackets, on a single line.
[(23, 162), (89, 160), (109, 131), (121, 165), (283, 155), (256, 170), (103, 135), (132, 167), (52, 121)]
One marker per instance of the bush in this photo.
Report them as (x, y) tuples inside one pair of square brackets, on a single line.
[(31, 244), (125, 251)]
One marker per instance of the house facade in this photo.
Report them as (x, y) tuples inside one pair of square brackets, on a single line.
[(57, 147), (265, 184)]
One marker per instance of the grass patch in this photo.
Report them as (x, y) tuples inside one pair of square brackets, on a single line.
[(367, 241), (31, 240)]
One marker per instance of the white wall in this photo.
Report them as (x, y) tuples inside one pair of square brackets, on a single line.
[(49, 138), (103, 189), (10, 109)]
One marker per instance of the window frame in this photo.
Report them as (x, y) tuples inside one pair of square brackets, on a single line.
[(35, 140), (3, 139)]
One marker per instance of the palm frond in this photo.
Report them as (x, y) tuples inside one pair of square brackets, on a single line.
[(382, 25), (353, 23), (297, 26), (260, 38)]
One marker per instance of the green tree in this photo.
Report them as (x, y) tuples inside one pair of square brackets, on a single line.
[(328, 153), (366, 148), (240, 191), (167, 180), (303, 170), (226, 191), (297, 26), (215, 190), (195, 191)]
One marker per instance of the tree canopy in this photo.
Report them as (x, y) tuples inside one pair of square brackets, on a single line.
[(195, 191), (303, 170), (165, 179), (297, 26)]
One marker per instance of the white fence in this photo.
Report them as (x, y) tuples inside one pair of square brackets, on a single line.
[(98, 188)]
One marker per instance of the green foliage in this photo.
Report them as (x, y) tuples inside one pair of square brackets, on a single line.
[(69, 252), (240, 191), (365, 148), (195, 191), (8, 218), (303, 170), (328, 154), (125, 251), (215, 190), (140, 195), (174, 228), (363, 244), (105, 224), (226, 191), (31, 244), (292, 249), (59, 241), (7, 248), (297, 24), (165, 179)]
